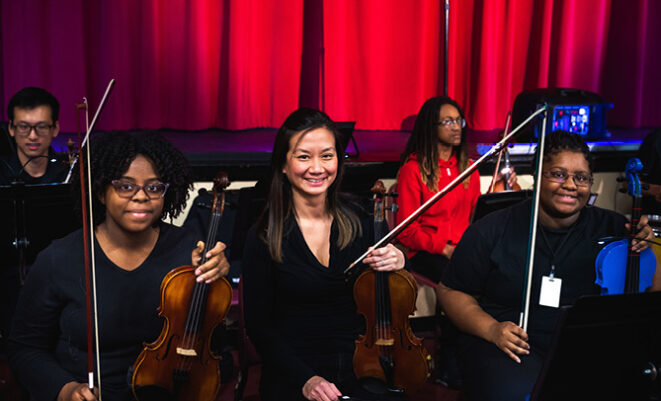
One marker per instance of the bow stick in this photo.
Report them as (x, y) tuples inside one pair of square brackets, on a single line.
[(462, 176), (88, 246)]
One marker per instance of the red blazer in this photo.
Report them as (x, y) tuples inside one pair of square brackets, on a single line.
[(447, 219)]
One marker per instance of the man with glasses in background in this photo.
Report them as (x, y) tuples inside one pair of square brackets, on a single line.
[(33, 123)]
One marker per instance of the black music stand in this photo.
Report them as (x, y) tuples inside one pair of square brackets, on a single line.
[(35, 215), (346, 130), (605, 348), (491, 202)]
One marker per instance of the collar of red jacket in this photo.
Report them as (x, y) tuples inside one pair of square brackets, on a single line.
[(451, 162)]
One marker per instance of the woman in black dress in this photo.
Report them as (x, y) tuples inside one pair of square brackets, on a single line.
[(299, 310)]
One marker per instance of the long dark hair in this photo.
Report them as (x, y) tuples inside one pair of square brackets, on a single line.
[(424, 139), (279, 206)]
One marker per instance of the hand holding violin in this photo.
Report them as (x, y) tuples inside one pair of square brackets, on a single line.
[(74, 391), (511, 180), (319, 389), (510, 338), (644, 232), (387, 258), (216, 265)]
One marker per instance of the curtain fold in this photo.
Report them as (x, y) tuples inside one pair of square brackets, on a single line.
[(233, 64)]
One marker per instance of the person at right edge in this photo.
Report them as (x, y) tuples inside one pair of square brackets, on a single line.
[(481, 289)]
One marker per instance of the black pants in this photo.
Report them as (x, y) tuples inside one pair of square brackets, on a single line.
[(489, 374), (337, 369)]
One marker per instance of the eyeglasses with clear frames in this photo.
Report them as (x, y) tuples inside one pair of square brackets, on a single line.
[(23, 129), (449, 122), (128, 189), (560, 176)]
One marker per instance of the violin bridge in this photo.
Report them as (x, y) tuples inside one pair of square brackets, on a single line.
[(385, 341), (186, 352)]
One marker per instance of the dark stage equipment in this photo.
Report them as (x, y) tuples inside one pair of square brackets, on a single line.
[(572, 110), (346, 129), (605, 348)]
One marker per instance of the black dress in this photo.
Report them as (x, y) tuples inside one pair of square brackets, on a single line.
[(48, 341), (301, 315), (489, 263)]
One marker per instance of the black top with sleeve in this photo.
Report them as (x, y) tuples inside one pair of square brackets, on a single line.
[(48, 341), (300, 311), (11, 170), (490, 261)]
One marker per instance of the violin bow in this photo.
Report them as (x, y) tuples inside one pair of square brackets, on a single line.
[(88, 245), (462, 176), (523, 316)]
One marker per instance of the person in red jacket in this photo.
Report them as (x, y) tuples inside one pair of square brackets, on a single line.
[(436, 153), (434, 156)]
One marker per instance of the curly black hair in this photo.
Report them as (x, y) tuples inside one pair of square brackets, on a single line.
[(561, 141), (113, 153)]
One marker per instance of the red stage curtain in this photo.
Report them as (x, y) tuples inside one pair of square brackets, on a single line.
[(237, 64), (180, 64)]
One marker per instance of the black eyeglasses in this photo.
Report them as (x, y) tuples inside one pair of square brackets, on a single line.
[(128, 189), (448, 122), (24, 129), (560, 176)]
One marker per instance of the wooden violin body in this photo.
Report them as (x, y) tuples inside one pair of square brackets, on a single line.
[(179, 365), (389, 351), (180, 361), (388, 357)]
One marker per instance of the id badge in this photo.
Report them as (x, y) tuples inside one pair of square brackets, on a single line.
[(550, 292)]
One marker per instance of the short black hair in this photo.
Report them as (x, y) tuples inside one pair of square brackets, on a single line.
[(561, 141), (112, 154), (30, 98)]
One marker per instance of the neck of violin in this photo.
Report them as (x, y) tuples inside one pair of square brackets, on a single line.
[(211, 234), (633, 260)]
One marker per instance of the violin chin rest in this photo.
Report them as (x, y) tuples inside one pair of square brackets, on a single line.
[(377, 386)]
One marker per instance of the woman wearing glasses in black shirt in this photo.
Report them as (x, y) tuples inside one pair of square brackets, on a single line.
[(482, 289), (137, 180)]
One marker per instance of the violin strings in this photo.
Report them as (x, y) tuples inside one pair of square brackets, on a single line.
[(198, 299)]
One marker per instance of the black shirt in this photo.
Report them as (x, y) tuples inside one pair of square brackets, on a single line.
[(490, 261), (299, 311), (48, 341), (11, 169)]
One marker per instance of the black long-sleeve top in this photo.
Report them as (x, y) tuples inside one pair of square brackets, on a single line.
[(299, 310), (48, 341)]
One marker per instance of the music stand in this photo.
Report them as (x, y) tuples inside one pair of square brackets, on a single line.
[(491, 202), (346, 131), (35, 216), (604, 348)]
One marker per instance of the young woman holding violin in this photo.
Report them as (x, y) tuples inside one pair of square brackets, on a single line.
[(137, 181), (482, 288), (434, 156), (299, 309)]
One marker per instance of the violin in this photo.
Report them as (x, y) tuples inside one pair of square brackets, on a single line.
[(179, 364), (619, 269), (388, 357), (502, 184)]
